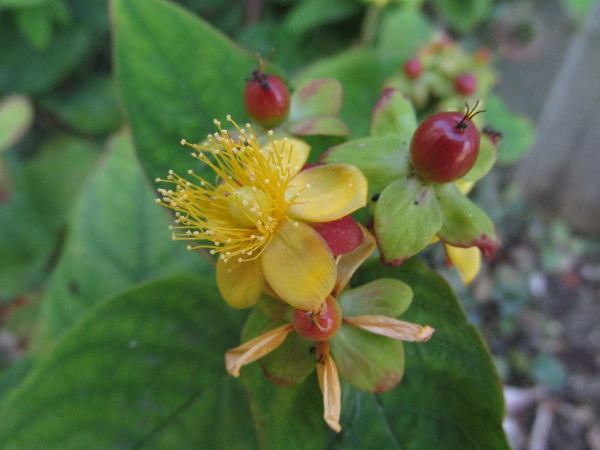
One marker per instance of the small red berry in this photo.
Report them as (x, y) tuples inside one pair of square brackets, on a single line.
[(465, 83), (267, 99), (445, 146), (319, 325), (413, 68)]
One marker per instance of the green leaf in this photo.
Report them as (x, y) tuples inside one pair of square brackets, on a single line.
[(322, 126), (21, 3), (41, 200), (176, 74), (367, 361), (118, 236), (517, 131), (92, 108), (393, 114), (578, 8), (36, 24), (464, 15), (450, 396), (16, 117), (146, 365), (289, 417), (407, 217), (402, 32), (361, 73), (485, 160), (384, 297), (465, 224), (308, 14), (382, 159), (316, 98), (14, 374), (64, 53)]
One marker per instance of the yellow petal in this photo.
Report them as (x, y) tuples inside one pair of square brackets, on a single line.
[(240, 284), (299, 266), (328, 192), (329, 382), (465, 186), (349, 262), (255, 348), (393, 328), (293, 153), (467, 261)]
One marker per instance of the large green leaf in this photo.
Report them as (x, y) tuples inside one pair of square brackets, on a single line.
[(143, 369), (43, 192), (176, 74), (450, 396), (119, 236)]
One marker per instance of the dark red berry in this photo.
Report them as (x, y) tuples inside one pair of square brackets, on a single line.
[(319, 325), (267, 99), (465, 83), (413, 68), (445, 146)]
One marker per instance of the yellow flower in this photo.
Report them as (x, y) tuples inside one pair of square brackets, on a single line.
[(255, 215)]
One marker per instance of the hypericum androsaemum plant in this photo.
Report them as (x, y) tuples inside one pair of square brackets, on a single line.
[(125, 300)]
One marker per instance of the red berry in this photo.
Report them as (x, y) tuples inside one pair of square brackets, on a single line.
[(321, 325), (445, 146), (413, 68), (267, 99), (465, 83)]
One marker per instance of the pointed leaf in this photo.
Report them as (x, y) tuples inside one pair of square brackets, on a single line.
[(367, 361), (321, 126), (118, 236), (316, 98), (361, 73), (191, 74), (407, 216), (382, 159), (394, 114), (142, 365), (485, 160), (465, 224), (16, 116), (383, 297)]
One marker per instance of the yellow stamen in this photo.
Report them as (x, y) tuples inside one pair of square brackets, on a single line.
[(238, 213)]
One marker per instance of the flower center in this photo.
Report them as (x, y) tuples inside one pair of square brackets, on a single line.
[(237, 215), (249, 206)]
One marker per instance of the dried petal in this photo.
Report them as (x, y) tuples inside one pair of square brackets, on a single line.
[(255, 349), (329, 382), (393, 328)]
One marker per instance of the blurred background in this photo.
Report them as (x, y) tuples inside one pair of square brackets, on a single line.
[(537, 302)]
